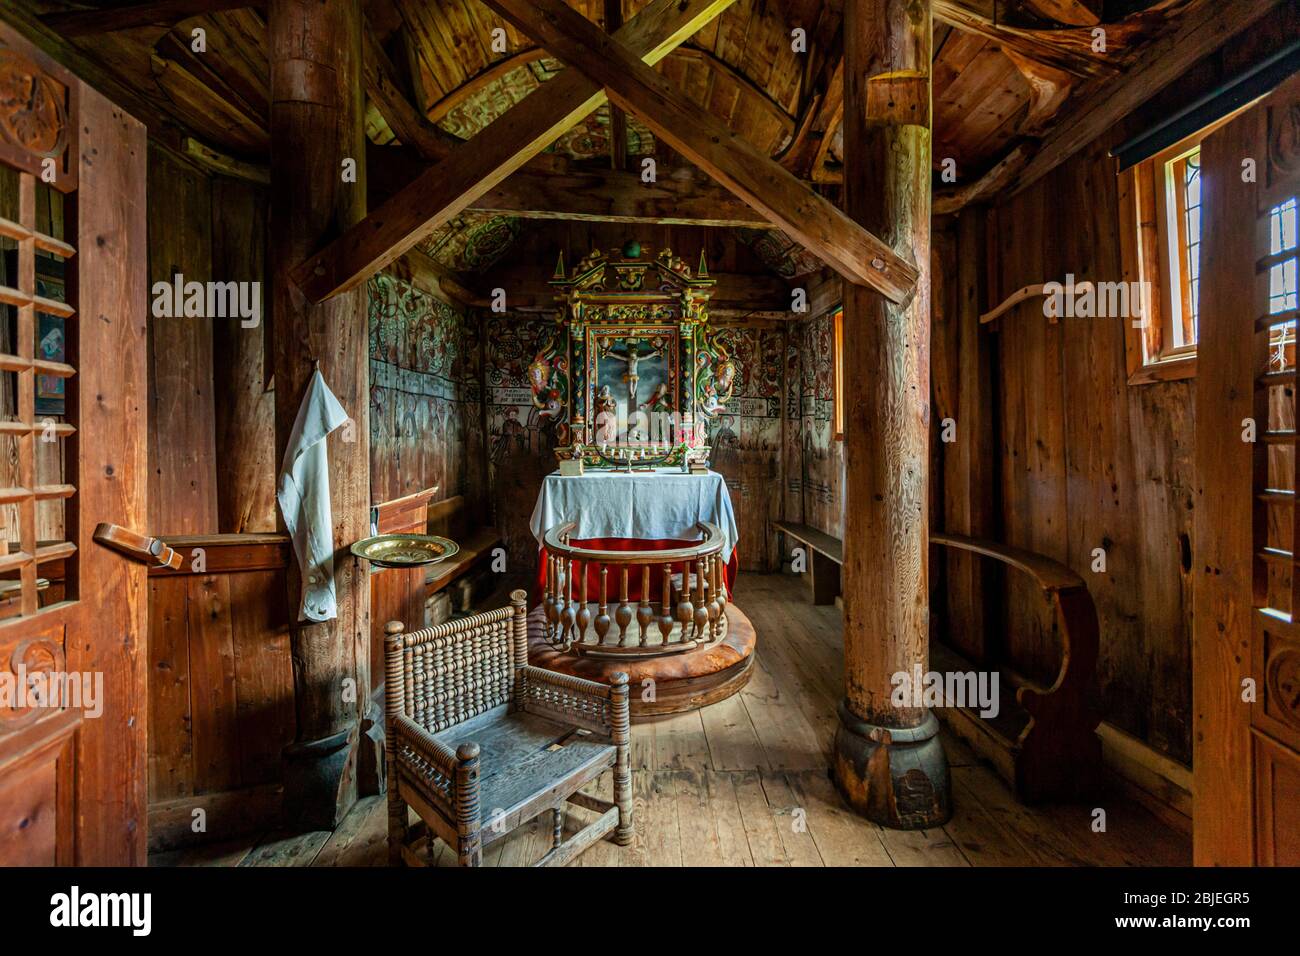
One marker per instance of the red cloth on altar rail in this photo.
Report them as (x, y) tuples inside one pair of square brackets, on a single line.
[(613, 580)]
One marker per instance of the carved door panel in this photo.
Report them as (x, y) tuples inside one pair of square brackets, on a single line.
[(1246, 650), (73, 298)]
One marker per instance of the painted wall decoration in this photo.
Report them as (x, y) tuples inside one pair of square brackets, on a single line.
[(425, 395), (588, 139), (472, 241), (746, 436), (779, 252), (526, 421), (814, 459)]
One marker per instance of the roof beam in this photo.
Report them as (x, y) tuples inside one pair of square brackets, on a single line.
[(1205, 28), (681, 196), (1066, 49), (733, 161), (384, 87), (479, 164), (734, 293), (76, 23)]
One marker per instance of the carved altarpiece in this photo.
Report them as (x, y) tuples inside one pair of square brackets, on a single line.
[(632, 369)]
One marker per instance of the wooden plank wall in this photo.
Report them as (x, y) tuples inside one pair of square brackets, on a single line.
[(425, 396), (221, 684), (1088, 461), (182, 433), (1085, 460)]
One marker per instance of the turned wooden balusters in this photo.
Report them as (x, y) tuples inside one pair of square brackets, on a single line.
[(666, 609), (584, 612), (568, 613), (602, 618), (549, 602), (685, 609), (644, 615), (701, 617), (623, 616), (715, 602)]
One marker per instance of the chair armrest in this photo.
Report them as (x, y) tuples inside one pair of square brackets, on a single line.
[(576, 700), (433, 767)]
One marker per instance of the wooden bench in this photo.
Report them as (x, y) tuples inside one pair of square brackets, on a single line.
[(826, 556), (479, 743), (1043, 741)]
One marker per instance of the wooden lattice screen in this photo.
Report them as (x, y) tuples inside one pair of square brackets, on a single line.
[(25, 428)]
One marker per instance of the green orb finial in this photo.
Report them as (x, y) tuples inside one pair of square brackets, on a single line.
[(632, 249)]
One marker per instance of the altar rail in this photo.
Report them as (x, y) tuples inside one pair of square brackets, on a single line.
[(688, 581)]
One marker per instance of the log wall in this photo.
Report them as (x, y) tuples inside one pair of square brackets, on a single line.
[(1083, 460)]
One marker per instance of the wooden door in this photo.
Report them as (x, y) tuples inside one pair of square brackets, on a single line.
[(73, 301), (1246, 645)]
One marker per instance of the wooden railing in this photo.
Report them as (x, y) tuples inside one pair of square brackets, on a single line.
[(663, 602)]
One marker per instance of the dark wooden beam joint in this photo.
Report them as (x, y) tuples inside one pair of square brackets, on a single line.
[(856, 253), (900, 98), (75, 23)]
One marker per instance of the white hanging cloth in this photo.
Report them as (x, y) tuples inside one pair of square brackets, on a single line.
[(304, 496)]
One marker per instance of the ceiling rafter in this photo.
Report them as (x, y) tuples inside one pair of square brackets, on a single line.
[(816, 223), (76, 23), (479, 164), (1068, 49), (1207, 24)]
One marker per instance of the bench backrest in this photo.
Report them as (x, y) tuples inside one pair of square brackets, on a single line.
[(444, 675)]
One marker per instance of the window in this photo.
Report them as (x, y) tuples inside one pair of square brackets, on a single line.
[(1162, 222), (1181, 218), (1282, 288), (837, 374)]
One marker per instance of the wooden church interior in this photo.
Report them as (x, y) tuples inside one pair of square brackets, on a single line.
[(827, 233)]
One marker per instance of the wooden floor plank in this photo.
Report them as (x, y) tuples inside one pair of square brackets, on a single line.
[(729, 733), (282, 849), (843, 838), (789, 742), (361, 839), (724, 804), (791, 818), (700, 842), (744, 782), (663, 838), (680, 743), (225, 853), (984, 787), (765, 845)]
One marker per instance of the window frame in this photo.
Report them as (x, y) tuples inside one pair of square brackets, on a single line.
[(1150, 210)]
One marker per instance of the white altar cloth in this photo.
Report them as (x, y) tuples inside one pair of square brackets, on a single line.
[(647, 505)]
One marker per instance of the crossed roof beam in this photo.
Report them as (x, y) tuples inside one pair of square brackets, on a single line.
[(601, 68)]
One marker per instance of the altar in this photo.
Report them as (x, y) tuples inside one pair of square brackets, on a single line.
[(654, 509), (636, 537)]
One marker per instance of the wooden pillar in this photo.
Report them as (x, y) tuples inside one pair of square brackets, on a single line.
[(316, 114), (245, 405), (888, 761)]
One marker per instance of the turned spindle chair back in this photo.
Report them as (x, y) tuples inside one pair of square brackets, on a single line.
[(474, 730)]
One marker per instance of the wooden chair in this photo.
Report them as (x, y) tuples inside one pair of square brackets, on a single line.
[(479, 742)]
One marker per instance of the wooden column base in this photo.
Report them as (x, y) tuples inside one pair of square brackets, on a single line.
[(320, 781), (681, 682), (896, 777)]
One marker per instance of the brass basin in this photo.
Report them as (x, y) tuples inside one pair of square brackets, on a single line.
[(405, 550)]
